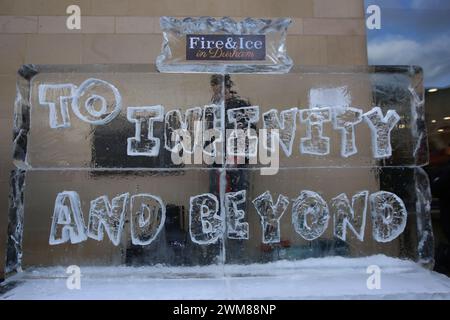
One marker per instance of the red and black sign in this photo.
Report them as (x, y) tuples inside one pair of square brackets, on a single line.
[(225, 47)]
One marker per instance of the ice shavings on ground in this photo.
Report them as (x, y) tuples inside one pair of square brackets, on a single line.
[(319, 278)]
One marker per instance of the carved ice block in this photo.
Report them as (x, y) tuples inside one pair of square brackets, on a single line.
[(132, 117)]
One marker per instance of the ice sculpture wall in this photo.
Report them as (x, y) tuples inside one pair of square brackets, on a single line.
[(96, 182)]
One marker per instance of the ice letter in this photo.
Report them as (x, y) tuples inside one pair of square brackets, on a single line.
[(67, 221), (235, 228), (205, 224), (329, 97), (237, 144), (388, 216), (96, 102), (73, 22), (315, 143), (381, 131), (183, 132), (373, 20), (270, 215), (286, 128), (345, 119), (57, 98), (352, 216), (148, 214), (310, 215), (144, 143), (107, 215)]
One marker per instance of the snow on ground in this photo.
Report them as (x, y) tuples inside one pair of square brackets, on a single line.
[(321, 278)]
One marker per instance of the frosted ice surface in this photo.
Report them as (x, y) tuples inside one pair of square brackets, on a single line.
[(321, 278), (425, 248), (14, 251), (329, 97), (270, 215)]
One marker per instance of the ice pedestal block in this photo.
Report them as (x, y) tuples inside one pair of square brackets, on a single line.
[(108, 171), (132, 117)]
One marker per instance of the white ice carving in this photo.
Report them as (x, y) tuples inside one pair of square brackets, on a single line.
[(141, 144), (270, 215), (148, 215), (206, 226), (314, 142), (57, 98), (93, 92), (286, 128), (109, 216), (345, 119), (381, 131), (349, 216), (67, 219), (242, 140), (236, 229), (310, 206), (388, 216)]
